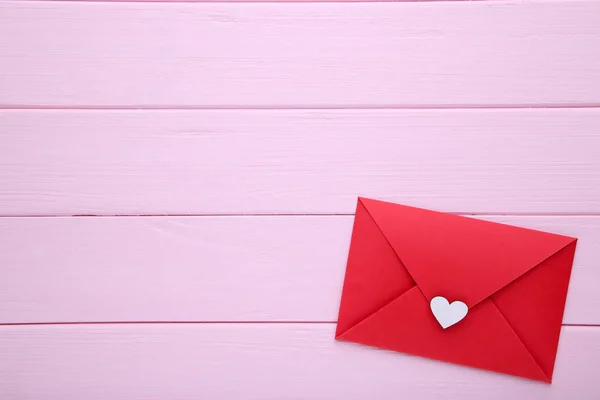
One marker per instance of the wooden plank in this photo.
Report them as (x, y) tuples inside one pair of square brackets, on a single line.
[(259, 361), (63, 54), (211, 268), (298, 161)]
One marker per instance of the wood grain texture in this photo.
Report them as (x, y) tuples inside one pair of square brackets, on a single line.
[(503, 53), (298, 161), (423, 104), (259, 361), (212, 268)]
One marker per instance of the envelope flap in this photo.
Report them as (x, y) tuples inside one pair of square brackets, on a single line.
[(457, 257)]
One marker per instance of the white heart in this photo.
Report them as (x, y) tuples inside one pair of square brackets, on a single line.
[(448, 314)]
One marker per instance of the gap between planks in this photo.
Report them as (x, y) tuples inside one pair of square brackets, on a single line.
[(464, 213), (333, 107), (261, 1), (206, 323)]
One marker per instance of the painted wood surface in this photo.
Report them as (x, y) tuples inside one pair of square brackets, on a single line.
[(505, 53), (59, 162), (284, 268), (486, 108), (259, 361)]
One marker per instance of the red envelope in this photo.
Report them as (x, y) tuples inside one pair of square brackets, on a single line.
[(513, 281)]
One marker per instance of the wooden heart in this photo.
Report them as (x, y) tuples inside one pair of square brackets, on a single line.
[(448, 314)]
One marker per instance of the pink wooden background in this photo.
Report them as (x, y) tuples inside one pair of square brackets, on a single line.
[(177, 183)]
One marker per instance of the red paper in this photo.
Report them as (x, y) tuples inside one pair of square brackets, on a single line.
[(513, 280)]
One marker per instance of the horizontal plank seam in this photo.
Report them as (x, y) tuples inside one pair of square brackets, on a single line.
[(258, 1), (484, 214), (302, 107), (163, 322), (200, 323)]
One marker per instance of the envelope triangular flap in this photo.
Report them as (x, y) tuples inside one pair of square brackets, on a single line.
[(374, 274), (457, 257), (533, 305), (483, 340)]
